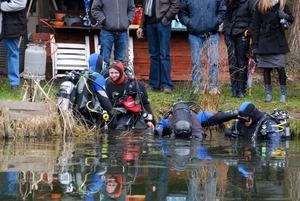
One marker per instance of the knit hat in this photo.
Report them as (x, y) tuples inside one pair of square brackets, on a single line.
[(95, 63), (120, 68)]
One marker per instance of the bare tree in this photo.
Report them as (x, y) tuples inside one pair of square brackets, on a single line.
[(294, 35)]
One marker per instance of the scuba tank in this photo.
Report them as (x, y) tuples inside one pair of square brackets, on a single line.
[(181, 120), (65, 94)]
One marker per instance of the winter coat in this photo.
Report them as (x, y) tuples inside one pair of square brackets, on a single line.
[(202, 17), (14, 22), (239, 17), (267, 33), (113, 15), (165, 11)]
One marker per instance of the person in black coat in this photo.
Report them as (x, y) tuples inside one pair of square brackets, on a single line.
[(237, 32), (271, 19)]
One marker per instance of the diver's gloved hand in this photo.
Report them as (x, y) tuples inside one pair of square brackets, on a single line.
[(158, 131), (230, 133)]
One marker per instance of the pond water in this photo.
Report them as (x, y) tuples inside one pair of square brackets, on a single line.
[(135, 167)]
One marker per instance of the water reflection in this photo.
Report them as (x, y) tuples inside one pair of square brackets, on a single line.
[(133, 166)]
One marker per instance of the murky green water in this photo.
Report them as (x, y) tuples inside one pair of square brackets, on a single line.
[(134, 167)]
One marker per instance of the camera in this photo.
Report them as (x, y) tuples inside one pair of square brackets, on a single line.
[(284, 24)]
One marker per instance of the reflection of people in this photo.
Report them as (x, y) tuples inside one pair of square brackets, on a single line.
[(184, 123), (202, 19), (14, 26), (270, 43), (113, 186), (238, 19), (9, 185), (119, 88), (114, 17), (256, 124), (156, 20)]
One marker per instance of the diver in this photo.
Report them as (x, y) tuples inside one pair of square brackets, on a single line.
[(255, 124), (84, 93), (182, 122), (129, 99)]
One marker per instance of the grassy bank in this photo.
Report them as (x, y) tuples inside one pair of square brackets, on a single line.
[(162, 103)]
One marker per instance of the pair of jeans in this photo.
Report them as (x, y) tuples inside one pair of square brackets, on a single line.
[(237, 47), (212, 52), (119, 40), (159, 50), (13, 57)]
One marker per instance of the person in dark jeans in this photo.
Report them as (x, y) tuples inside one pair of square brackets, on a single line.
[(156, 20), (237, 32), (114, 18)]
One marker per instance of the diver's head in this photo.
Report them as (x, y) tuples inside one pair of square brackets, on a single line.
[(182, 129), (95, 63), (116, 72), (249, 113)]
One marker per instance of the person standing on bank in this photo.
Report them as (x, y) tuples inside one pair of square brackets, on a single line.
[(271, 18), (156, 20), (114, 17), (14, 26), (237, 32), (202, 19)]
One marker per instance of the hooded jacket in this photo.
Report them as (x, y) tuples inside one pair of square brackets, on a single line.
[(202, 17), (14, 22), (113, 15)]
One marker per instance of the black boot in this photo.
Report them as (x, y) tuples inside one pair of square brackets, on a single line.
[(283, 93), (268, 92)]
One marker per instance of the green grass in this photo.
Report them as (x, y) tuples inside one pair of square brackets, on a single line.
[(161, 103)]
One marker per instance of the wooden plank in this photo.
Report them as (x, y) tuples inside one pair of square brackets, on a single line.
[(19, 105)]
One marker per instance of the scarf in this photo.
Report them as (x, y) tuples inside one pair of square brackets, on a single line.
[(148, 8)]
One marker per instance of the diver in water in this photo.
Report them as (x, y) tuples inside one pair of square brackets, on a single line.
[(255, 124), (84, 93), (129, 99), (182, 122)]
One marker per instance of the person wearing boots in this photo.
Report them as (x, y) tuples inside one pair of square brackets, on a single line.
[(237, 33), (271, 19)]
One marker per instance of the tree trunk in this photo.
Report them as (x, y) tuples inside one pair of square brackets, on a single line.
[(294, 36)]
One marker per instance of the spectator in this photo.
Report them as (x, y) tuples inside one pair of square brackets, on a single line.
[(114, 18), (237, 32), (14, 27), (122, 89), (156, 20), (270, 43), (202, 19)]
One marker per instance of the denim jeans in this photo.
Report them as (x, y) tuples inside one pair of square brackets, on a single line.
[(107, 39), (212, 53), (159, 50), (13, 55)]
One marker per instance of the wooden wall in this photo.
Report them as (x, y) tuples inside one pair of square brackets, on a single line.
[(180, 57), (179, 45)]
